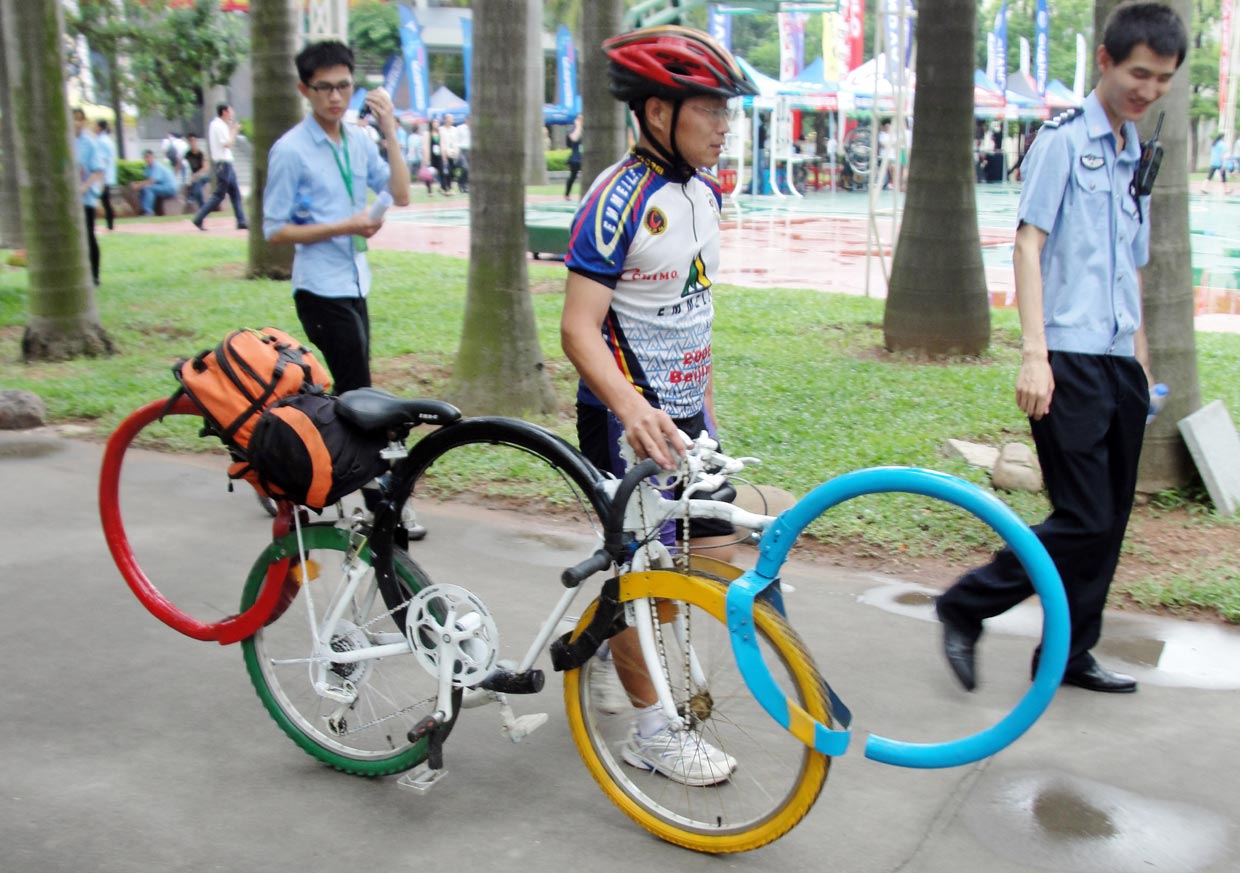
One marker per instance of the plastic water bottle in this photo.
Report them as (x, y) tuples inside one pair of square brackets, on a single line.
[(1158, 399), (382, 202), (302, 213)]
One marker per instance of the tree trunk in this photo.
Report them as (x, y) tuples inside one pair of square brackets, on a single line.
[(536, 87), (118, 109), (602, 123), (499, 366), (937, 302), (10, 207), (1168, 292), (63, 319), (275, 35)]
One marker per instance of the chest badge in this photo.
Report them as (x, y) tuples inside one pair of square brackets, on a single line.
[(656, 221), (1092, 162)]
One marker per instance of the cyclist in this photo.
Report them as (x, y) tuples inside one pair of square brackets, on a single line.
[(637, 317)]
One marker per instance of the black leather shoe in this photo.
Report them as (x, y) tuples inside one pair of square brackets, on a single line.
[(1098, 678), (958, 647)]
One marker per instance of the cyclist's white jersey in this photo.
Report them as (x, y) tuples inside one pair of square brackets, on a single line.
[(655, 242)]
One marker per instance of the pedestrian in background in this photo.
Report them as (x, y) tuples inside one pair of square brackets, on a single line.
[(574, 157), (107, 147), (90, 165), (221, 137)]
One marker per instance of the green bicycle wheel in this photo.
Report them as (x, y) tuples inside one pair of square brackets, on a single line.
[(367, 736)]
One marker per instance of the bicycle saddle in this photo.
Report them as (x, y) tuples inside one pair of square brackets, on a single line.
[(373, 409)]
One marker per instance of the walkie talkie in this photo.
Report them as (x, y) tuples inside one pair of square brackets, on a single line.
[(1147, 169)]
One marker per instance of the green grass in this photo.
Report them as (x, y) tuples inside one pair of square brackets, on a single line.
[(1196, 587), (802, 381)]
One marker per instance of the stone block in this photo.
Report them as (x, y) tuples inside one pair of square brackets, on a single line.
[(1215, 447), (21, 410), (975, 454), (1017, 469)]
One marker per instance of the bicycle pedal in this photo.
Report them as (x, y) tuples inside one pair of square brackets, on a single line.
[(519, 727), (422, 778)]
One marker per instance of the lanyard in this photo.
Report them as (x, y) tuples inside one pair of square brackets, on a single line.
[(346, 169), (346, 176)]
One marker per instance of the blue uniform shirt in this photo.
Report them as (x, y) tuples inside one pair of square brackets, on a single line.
[(1076, 190), (302, 167), (89, 160), (162, 176)]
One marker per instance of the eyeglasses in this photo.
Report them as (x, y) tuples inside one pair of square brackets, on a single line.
[(716, 114), (328, 87)]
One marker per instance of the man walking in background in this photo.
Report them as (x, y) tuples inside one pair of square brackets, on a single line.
[(221, 137)]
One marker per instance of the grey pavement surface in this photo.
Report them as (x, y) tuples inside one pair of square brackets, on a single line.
[(127, 747)]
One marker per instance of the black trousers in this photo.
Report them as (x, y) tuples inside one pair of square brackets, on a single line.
[(225, 186), (92, 244), (108, 214), (1088, 445), (573, 170), (340, 327)]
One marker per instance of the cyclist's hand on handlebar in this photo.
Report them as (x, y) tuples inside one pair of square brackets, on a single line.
[(652, 434)]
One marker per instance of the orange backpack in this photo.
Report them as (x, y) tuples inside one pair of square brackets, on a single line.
[(234, 382)]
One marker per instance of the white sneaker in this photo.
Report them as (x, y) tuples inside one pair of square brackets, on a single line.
[(682, 756), (606, 691)]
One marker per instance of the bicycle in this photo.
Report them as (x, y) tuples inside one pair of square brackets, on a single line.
[(373, 679)]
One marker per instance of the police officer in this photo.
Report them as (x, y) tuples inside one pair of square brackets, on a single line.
[(1082, 238)]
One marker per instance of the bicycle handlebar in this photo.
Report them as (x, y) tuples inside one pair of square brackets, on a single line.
[(702, 468), (596, 563)]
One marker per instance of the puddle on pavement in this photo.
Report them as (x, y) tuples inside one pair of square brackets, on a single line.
[(1160, 651), (24, 449), (1065, 823)]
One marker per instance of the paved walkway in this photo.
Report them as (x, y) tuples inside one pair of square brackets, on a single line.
[(130, 748)]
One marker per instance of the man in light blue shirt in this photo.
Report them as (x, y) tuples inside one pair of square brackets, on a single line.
[(317, 177), (103, 139), (1084, 380), (159, 182), (90, 168)]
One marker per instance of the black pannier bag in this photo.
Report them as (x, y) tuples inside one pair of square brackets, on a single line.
[(302, 450)]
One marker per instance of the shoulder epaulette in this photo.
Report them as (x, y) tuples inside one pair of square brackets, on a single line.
[(1064, 117)]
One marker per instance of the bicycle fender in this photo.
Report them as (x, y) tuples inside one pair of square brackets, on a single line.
[(1025, 545)]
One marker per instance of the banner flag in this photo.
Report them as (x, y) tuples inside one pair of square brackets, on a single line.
[(991, 63), (1042, 47), (467, 49), (414, 52), (893, 39), (833, 43), (1001, 44), (791, 44), (1025, 56), (719, 26), (855, 19), (1078, 81), (566, 69), (393, 70)]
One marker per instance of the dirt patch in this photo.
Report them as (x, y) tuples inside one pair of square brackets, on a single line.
[(230, 272)]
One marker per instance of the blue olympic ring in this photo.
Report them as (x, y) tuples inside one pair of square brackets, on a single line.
[(774, 548)]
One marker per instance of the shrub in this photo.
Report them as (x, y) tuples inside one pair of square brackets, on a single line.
[(130, 171), (557, 159)]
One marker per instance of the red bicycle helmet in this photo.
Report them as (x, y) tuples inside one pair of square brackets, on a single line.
[(673, 63)]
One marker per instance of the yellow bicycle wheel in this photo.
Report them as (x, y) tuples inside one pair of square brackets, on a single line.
[(776, 779)]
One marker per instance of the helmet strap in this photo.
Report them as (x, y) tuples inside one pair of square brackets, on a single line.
[(679, 169)]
